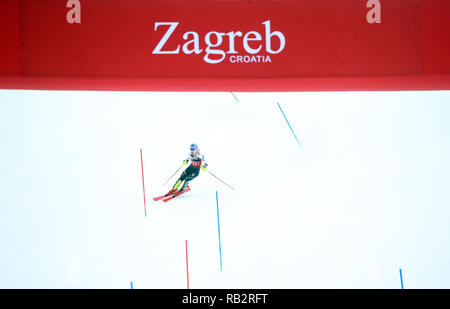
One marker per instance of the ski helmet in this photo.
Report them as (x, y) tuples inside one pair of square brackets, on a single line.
[(194, 148)]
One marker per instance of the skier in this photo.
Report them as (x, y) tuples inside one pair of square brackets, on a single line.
[(192, 171)]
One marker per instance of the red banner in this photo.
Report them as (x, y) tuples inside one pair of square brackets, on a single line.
[(256, 45)]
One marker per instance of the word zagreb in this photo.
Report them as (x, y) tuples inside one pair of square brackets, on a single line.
[(252, 43)]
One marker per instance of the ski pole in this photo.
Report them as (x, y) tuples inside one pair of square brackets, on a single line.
[(220, 180), (173, 175)]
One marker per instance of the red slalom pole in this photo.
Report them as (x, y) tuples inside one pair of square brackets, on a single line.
[(187, 266), (143, 184)]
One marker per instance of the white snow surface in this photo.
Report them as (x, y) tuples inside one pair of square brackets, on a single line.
[(367, 195)]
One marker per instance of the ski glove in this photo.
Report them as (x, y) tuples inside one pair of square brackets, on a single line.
[(185, 162), (204, 167)]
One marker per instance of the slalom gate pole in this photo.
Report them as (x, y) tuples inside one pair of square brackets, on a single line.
[(173, 175), (220, 180)]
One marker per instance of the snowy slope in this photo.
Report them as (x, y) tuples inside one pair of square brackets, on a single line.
[(366, 195)]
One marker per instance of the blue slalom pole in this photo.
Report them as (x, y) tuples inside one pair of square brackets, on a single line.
[(218, 224), (289, 126), (401, 278)]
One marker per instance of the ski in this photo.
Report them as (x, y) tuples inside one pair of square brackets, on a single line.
[(162, 196), (174, 196)]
